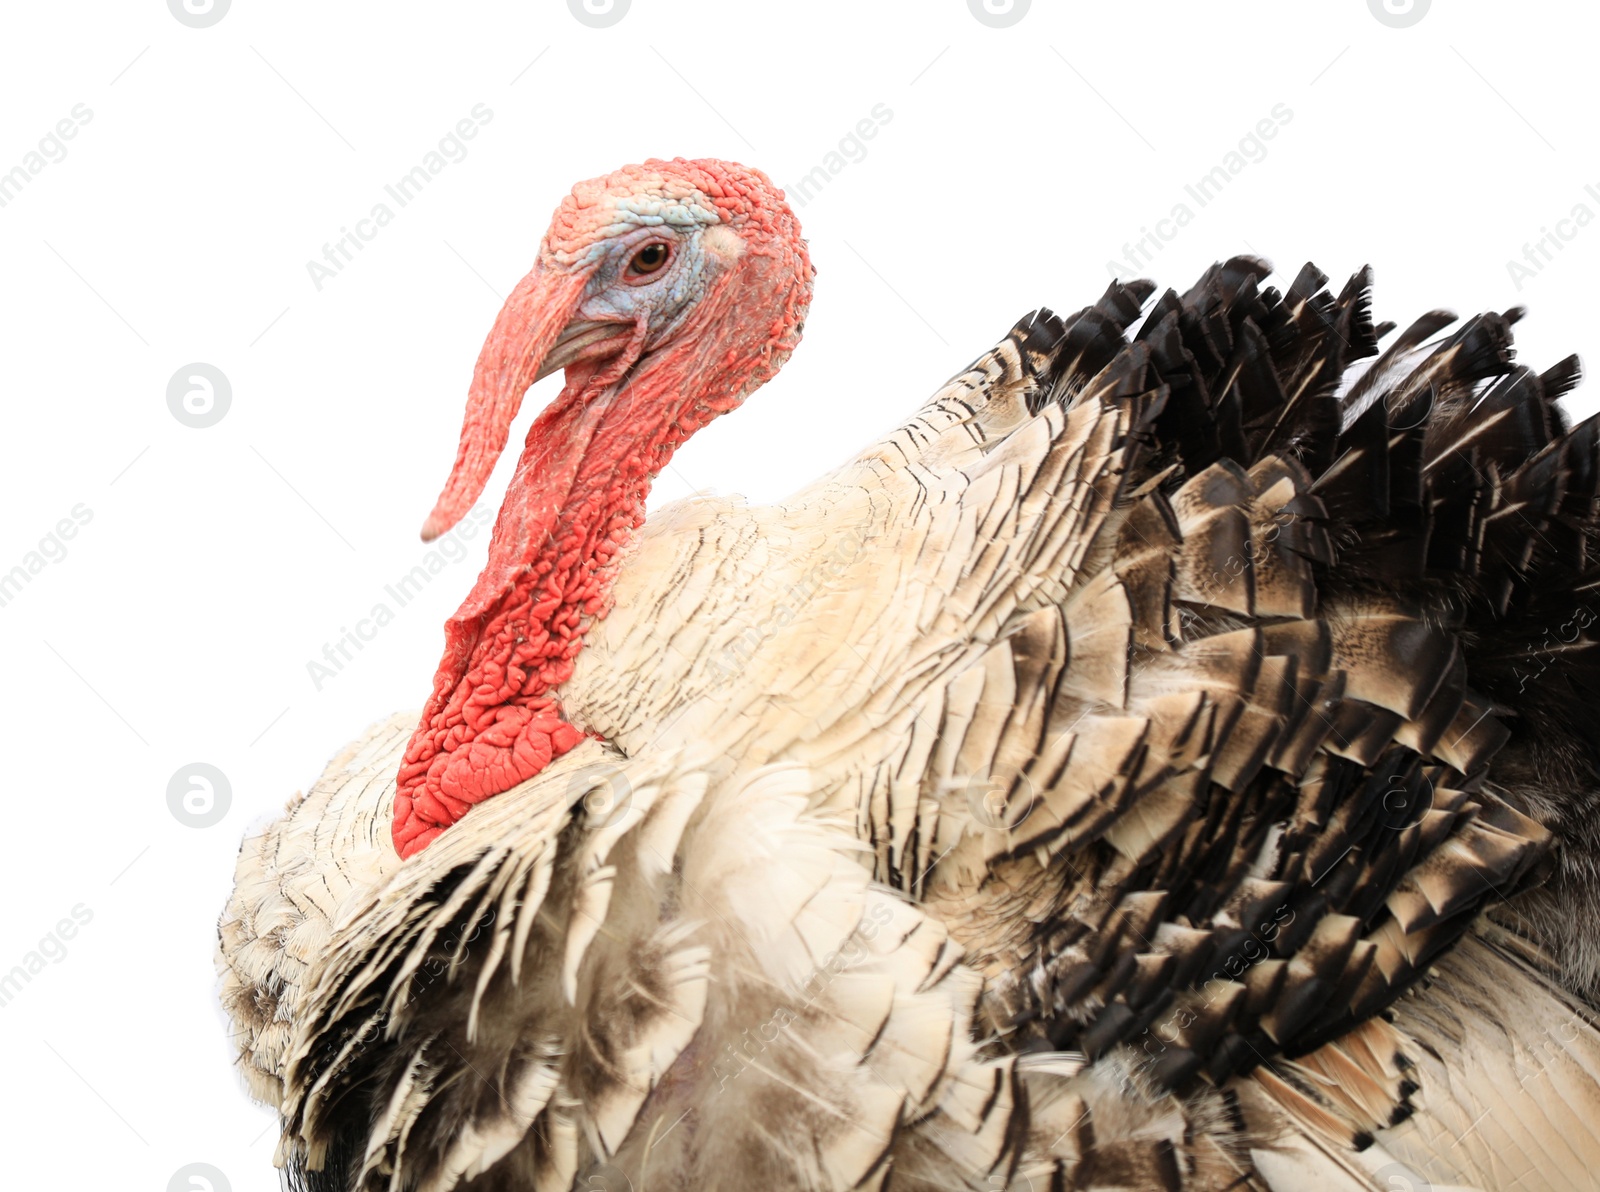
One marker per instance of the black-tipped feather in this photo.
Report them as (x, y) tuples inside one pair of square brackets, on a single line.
[(1446, 514)]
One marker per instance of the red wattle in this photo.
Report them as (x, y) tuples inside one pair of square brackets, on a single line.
[(515, 744), (492, 721)]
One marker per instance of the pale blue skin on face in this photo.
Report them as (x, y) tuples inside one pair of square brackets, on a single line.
[(661, 298), (664, 297)]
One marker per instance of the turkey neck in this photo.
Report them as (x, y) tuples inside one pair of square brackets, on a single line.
[(577, 496)]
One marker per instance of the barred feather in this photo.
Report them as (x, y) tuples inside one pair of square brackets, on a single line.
[(1168, 761)]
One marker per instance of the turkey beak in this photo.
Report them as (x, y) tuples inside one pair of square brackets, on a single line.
[(577, 337), (534, 335)]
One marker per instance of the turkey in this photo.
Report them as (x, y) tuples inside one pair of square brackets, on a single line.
[(1168, 760)]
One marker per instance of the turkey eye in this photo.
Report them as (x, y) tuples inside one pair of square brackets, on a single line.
[(648, 259)]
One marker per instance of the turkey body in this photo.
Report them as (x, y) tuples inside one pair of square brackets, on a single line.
[(1164, 762)]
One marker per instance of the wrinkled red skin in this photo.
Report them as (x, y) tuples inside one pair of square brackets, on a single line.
[(580, 486)]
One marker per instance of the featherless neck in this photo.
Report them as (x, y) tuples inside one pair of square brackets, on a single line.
[(578, 495)]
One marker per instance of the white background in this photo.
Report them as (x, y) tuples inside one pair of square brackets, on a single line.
[(218, 562)]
